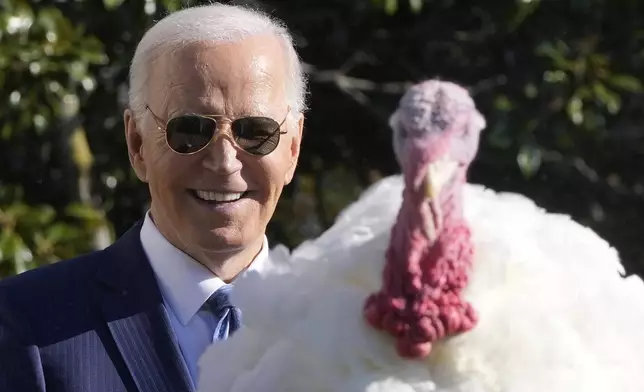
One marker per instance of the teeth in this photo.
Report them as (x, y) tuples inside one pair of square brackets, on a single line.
[(218, 196)]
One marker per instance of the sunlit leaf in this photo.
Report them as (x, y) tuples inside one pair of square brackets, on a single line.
[(170, 5), (503, 103), (391, 6), (69, 105), (112, 4), (19, 19), (529, 160), (38, 216), (556, 53), (557, 76), (530, 90), (575, 110), (523, 11), (84, 212), (416, 5), (13, 247), (61, 232), (82, 155), (609, 99), (626, 82), (17, 211)]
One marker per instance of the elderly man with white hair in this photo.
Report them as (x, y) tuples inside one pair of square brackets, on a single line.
[(213, 127)]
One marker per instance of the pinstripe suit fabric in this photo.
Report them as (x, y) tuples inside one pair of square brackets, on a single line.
[(95, 323)]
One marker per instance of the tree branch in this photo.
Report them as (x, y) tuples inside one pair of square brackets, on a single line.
[(350, 83)]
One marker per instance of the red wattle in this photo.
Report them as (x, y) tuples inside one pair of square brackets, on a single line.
[(421, 300)]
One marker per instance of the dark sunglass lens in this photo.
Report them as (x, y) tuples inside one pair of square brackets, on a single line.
[(257, 135), (187, 134)]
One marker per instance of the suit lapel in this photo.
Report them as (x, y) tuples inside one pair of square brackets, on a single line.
[(133, 309)]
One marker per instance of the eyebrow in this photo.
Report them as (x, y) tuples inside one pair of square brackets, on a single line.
[(244, 112), (187, 112)]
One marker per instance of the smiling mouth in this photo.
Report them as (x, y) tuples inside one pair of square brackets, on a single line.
[(211, 197)]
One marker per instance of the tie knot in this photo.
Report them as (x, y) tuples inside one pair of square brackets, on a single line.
[(227, 318), (220, 300)]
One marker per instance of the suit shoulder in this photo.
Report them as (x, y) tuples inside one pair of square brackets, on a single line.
[(54, 295), (60, 274), (42, 290)]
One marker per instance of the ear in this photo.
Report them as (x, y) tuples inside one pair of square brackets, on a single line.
[(294, 150), (134, 140)]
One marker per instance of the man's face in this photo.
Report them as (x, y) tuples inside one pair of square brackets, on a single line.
[(244, 78)]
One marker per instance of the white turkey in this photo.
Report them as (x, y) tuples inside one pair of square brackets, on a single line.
[(427, 283)]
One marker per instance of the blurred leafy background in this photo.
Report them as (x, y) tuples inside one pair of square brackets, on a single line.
[(559, 83)]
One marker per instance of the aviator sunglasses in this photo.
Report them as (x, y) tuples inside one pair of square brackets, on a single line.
[(190, 133)]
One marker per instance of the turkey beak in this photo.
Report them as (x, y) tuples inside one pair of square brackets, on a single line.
[(431, 187), (438, 174)]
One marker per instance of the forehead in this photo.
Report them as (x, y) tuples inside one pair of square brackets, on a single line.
[(230, 77)]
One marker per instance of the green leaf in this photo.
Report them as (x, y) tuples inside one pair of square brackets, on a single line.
[(503, 103), (609, 99), (13, 248), (112, 4), (626, 82), (556, 53), (529, 160), (81, 152), (39, 216), (172, 5), (556, 76), (17, 211), (524, 10), (391, 6), (416, 5), (84, 212), (59, 232), (575, 110)]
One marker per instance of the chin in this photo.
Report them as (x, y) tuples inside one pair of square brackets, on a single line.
[(223, 239)]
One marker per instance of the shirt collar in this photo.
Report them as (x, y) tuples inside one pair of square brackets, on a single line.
[(185, 284)]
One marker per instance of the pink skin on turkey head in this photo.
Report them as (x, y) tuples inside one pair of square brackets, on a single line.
[(420, 301), (439, 118)]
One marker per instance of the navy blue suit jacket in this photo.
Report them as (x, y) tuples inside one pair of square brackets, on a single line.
[(95, 323)]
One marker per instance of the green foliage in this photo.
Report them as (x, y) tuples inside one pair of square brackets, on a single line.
[(560, 84), (392, 6), (45, 69)]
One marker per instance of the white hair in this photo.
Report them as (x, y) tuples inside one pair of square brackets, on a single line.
[(212, 23)]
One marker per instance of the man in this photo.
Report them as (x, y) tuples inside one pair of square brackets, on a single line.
[(137, 315)]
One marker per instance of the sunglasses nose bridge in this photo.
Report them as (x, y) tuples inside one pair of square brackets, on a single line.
[(223, 128), (221, 153)]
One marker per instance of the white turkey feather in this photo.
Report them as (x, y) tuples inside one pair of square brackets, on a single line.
[(555, 312)]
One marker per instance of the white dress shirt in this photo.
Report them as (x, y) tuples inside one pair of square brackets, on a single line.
[(185, 286)]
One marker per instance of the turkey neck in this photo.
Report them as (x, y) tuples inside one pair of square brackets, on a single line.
[(410, 234), (445, 263), (420, 300), (430, 274)]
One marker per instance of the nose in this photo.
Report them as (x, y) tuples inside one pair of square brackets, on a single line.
[(222, 156)]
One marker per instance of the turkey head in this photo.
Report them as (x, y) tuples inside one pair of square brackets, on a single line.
[(436, 134)]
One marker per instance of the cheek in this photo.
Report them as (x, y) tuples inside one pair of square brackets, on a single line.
[(268, 174), (165, 167)]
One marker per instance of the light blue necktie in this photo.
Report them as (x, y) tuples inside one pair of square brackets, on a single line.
[(227, 318)]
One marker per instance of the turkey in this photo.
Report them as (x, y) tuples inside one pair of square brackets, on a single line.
[(427, 283)]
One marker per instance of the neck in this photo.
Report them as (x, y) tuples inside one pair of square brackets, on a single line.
[(227, 266), (430, 219), (451, 206)]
